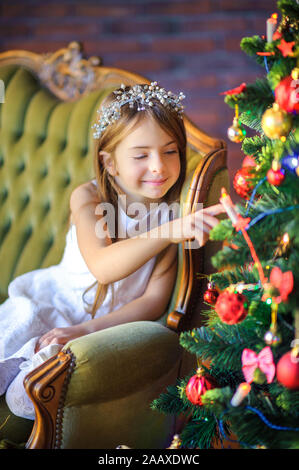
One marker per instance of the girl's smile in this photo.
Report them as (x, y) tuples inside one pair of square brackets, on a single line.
[(156, 182)]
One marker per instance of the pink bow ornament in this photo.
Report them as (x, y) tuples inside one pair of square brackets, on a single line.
[(284, 282), (264, 361)]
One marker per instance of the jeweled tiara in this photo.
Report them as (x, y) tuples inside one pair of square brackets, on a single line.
[(142, 95)]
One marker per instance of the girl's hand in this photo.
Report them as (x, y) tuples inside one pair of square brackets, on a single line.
[(196, 225), (60, 336)]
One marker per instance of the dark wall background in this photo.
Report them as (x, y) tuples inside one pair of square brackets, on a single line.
[(186, 45)]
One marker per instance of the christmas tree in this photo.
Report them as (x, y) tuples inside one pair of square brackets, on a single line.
[(246, 387)]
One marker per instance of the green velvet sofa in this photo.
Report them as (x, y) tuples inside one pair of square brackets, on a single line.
[(96, 392)]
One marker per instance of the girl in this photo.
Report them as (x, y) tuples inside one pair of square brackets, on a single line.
[(140, 162)]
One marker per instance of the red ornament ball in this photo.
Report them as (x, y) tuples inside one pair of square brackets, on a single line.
[(197, 386), (211, 294), (287, 371), (286, 95), (231, 307), (275, 177), (241, 184)]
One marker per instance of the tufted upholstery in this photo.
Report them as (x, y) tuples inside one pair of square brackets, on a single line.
[(46, 150), (45, 153)]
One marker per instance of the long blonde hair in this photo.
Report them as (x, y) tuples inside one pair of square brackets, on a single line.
[(108, 190)]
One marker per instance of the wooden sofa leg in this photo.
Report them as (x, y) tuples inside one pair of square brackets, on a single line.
[(46, 386)]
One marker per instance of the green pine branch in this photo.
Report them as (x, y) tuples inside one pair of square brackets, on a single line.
[(228, 277), (280, 70), (223, 231), (286, 401), (251, 430), (253, 145), (252, 120), (170, 402), (199, 433), (258, 94), (248, 426), (223, 347), (252, 45), (289, 8), (231, 257), (217, 400)]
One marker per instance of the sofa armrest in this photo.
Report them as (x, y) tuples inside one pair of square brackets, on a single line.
[(99, 367), (113, 363)]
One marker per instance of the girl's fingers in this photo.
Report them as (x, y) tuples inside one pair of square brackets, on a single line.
[(200, 223), (42, 338), (201, 218), (42, 342), (39, 346), (214, 210), (206, 228), (61, 343), (203, 234)]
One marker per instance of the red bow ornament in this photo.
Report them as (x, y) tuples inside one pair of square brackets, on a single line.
[(284, 282), (264, 361)]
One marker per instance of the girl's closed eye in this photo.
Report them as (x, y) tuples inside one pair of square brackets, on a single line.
[(139, 157), (167, 152)]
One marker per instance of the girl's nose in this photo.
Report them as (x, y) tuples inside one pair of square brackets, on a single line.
[(156, 164)]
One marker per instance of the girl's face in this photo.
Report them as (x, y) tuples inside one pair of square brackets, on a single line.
[(147, 163)]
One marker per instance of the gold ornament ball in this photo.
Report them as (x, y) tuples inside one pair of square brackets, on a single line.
[(236, 133), (276, 123)]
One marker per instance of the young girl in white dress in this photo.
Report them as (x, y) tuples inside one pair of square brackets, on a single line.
[(120, 258)]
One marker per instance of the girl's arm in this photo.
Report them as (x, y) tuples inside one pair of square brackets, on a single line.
[(151, 305), (110, 262), (148, 307)]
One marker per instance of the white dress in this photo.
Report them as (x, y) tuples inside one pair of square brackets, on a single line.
[(48, 298)]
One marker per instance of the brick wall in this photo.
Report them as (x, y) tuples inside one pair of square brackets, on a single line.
[(188, 45)]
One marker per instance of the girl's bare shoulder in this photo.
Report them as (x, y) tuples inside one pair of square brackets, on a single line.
[(83, 194)]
